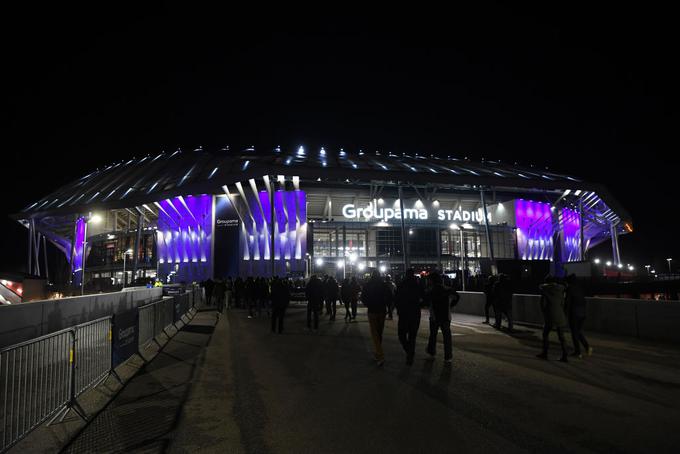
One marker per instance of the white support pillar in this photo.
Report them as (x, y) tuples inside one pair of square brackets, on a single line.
[(616, 255)]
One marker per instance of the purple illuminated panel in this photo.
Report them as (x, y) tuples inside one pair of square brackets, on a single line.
[(571, 229), (290, 232), (184, 238), (77, 262), (534, 230)]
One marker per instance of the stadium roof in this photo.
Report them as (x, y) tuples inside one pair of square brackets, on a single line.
[(163, 175)]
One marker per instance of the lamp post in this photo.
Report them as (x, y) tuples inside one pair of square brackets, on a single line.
[(648, 267), (669, 260), (125, 254)]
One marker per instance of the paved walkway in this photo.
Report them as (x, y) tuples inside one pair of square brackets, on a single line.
[(235, 387)]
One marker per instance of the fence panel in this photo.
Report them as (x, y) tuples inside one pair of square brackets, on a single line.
[(34, 383), (93, 353), (147, 323)]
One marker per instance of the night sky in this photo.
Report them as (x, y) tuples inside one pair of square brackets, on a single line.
[(592, 93)]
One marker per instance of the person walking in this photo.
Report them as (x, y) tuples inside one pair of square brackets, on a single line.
[(280, 295), (229, 294), (249, 295), (440, 299), (354, 290), (219, 291), (407, 302), (315, 297), (552, 305), (332, 292), (376, 297), (576, 311), (490, 297), (238, 292), (346, 297), (209, 287), (503, 297), (393, 289)]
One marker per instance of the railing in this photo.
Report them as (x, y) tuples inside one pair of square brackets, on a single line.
[(43, 377)]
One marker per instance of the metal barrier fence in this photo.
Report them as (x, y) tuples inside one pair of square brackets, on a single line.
[(43, 377)]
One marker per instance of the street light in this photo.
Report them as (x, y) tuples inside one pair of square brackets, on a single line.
[(596, 261), (95, 219), (648, 267), (669, 260), (125, 254)]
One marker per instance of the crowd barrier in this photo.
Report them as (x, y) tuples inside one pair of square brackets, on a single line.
[(42, 378), (643, 319)]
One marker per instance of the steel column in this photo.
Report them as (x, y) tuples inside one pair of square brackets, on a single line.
[(486, 226), (582, 242), (403, 229), (616, 255)]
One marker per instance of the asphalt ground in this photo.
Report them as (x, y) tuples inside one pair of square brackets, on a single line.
[(233, 386)]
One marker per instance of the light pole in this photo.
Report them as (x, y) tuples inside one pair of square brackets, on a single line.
[(669, 260), (129, 251), (648, 267)]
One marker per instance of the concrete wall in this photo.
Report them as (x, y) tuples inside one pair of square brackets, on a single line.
[(650, 320), (22, 322)]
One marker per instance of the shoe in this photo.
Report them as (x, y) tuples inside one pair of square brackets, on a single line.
[(577, 355), (486, 323), (564, 358), (429, 357), (542, 356), (381, 362), (448, 361), (250, 316), (589, 352)]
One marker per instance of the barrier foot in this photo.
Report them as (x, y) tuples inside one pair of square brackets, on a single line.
[(77, 409)]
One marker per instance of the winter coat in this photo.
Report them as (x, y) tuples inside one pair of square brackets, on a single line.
[(552, 304), (440, 299), (376, 295), (407, 298)]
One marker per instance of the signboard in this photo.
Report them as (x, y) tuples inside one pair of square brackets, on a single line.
[(226, 239), (125, 336), (384, 212)]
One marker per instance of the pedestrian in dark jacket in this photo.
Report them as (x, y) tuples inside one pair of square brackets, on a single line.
[(219, 291), (315, 295), (503, 297), (249, 295), (280, 295), (209, 286), (393, 290), (440, 299), (353, 292), (376, 297), (490, 297), (552, 305), (407, 301), (332, 292), (346, 297), (576, 311)]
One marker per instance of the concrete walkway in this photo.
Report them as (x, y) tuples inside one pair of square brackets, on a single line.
[(235, 387)]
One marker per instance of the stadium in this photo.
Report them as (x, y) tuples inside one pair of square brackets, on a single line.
[(187, 216)]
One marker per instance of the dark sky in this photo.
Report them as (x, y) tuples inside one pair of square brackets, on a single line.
[(590, 92)]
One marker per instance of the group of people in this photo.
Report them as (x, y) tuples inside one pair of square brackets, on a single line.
[(563, 304)]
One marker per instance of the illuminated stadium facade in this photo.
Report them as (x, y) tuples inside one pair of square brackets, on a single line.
[(190, 215)]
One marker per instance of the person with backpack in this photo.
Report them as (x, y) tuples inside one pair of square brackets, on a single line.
[(376, 296), (552, 305), (280, 296), (440, 299), (407, 302)]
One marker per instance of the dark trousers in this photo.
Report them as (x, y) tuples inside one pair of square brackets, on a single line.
[(407, 330), (334, 308), (500, 311), (576, 327), (348, 311), (278, 313), (354, 308), (312, 310), (220, 302), (487, 306), (208, 298), (546, 337), (445, 327), (251, 307)]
